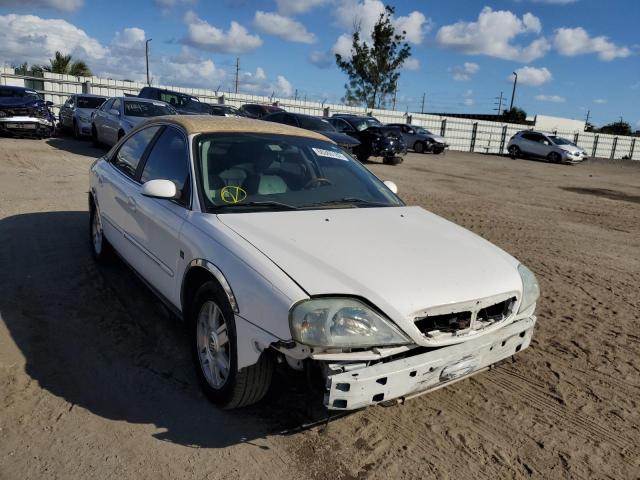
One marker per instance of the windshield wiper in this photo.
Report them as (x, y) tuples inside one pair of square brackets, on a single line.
[(283, 206), (349, 200)]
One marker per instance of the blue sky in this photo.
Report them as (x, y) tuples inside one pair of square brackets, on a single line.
[(572, 55)]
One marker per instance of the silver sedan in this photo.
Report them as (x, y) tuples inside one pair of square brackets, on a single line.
[(119, 115), (75, 114)]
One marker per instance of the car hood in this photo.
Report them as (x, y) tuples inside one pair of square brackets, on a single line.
[(339, 138), (402, 259), (571, 148), (19, 102)]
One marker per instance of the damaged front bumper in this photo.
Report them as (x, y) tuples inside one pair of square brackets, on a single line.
[(25, 125), (354, 388)]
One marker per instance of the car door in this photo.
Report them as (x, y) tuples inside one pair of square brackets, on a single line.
[(161, 220), (66, 112), (530, 143), (112, 122), (99, 118), (119, 189)]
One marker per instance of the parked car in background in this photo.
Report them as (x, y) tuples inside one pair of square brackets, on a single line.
[(315, 124), (23, 112), (375, 138), (75, 114), (529, 143), (224, 111), (254, 110), (275, 247), (181, 102), (119, 115), (420, 139)]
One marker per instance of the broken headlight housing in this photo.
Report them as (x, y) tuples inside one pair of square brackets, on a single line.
[(336, 322), (530, 288)]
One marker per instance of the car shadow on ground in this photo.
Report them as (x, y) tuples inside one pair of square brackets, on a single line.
[(82, 146), (98, 338)]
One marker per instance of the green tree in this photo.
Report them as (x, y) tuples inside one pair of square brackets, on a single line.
[(616, 128), (514, 115), (65, 65), (374, 69)]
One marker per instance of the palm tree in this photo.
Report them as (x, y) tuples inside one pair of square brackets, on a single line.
[(64, 65)]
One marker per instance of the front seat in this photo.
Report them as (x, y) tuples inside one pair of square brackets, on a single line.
[(263, 180)]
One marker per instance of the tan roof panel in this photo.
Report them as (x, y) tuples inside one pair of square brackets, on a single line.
[(212, 124)]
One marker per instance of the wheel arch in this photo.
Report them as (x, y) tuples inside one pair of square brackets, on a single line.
[(198, 272)]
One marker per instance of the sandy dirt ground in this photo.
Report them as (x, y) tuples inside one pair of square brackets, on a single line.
[(96, 379)]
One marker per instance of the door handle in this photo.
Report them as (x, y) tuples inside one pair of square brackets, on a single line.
[(100, 181), (131, 202)]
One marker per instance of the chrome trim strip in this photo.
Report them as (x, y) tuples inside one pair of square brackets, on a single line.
[(215, 271)]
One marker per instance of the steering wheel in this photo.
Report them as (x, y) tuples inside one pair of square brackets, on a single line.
[(317, 181)]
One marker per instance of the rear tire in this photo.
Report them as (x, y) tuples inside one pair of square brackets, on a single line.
[(94, 136), (214, 345), (100, 247), (76, 130), (514, 151), (392, 160), (418, 147)]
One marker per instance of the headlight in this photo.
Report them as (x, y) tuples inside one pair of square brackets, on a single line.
[(342, 322), (84, 118), (530, 288)]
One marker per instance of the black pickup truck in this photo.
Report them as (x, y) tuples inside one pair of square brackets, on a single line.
[(183, 103)]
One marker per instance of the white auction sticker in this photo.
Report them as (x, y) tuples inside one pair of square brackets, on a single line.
[(321, 152)]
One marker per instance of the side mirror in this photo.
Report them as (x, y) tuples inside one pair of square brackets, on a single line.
[(48, 104), (411, 131), (115, 112), (389, 184), (159, 189)]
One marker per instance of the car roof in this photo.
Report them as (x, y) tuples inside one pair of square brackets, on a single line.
[(93, 95), (139, 99), (193, 124), (17, 89)]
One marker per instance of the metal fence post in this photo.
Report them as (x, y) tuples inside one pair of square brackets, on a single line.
[(633, 146), (221, 99), (409, 119), (473, 136), (575, 138), (86, 87), (325, 112), (503, 138), (595, 145), (613, 148), (443, 127)]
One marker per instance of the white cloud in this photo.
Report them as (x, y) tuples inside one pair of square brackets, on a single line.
[(492, 34), (411, 64), (29, 38), (294, 7), (532, 76), (343, 46), (550, 98), (468, 101), (128, 37), (465, 71), (283, 27), (600, 101), (555, 2), (321, 59), (167, 4), (366, 13), (64, 5), (202, 35), (576, 41), (283, 87)]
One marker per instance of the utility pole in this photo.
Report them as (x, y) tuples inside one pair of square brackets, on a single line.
[(513, 94), (499, 104), (422, 108), (588, 116), (295, 95), (237, 72), (146, 55), (395, 93)]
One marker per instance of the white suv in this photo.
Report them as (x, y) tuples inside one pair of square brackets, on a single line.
[(551, 147), (272, 243)]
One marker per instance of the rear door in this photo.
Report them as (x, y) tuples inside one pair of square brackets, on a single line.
[(99, 118), (530, 143), (118, 193), (161, 220), (66, 112), (112, 122)]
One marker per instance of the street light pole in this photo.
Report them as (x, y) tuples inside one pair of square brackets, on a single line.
[(513, 94), (146, 54)]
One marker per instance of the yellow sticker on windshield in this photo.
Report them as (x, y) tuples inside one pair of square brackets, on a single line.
[(232, 194)]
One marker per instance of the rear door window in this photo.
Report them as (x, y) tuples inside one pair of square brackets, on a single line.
[(130, 153)]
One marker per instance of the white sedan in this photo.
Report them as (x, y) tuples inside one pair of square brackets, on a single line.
[(277, 247)]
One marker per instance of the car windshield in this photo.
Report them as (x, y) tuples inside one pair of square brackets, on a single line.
[(317, 124), (244, 172), (560, 141), (10, 92), (193, 106), (423, 131), (90, 102), (135, 108), (364, 123)]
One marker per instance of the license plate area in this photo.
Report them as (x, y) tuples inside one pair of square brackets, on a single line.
[(22, 126)]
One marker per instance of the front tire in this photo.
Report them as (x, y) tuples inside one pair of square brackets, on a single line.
[(392, 160), (554, 157), (215, 352)]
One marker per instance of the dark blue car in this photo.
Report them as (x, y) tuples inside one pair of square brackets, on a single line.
[(23, 113)]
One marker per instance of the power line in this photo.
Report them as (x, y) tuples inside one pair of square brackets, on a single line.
[(499, 104)]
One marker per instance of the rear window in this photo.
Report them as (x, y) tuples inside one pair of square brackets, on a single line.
[(16, 93), (90, 102)]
